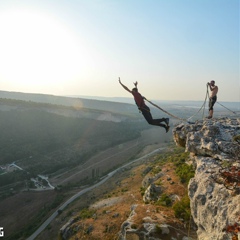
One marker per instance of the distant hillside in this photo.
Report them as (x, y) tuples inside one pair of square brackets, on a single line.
[(183, 109), (67, 111), (110, 99), (31, 128), (168, 103), (78, 103)]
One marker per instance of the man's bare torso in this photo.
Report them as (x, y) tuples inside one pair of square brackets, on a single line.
[(214, 90)]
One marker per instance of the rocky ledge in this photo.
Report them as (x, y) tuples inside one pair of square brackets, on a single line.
[(214, 191)]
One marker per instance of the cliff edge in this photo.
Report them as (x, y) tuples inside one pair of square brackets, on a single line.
[(214, 191)]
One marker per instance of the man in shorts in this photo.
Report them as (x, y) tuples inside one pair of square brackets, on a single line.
[(139, 100), (212, 97)]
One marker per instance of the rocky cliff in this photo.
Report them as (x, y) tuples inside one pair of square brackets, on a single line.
[(141, 201), (214, 191)]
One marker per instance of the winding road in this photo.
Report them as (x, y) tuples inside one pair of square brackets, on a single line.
[(74, 197)]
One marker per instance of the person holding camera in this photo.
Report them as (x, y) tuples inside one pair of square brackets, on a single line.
[(212, 97)]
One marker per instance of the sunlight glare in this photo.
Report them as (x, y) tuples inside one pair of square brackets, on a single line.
[(36, 50)]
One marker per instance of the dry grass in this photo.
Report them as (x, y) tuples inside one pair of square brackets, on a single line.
[(118, 195)]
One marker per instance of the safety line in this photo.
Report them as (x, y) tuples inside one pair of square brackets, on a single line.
[(187, 120), (207, 95), (227, 108), (222, 105), (182, 119), (165, 111)]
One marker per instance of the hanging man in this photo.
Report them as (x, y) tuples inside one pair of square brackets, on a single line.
[(139, 100), (212, 97)]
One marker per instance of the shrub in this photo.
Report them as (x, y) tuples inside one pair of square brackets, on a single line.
[(182, 208), (236, 138), (158, 229), (185, 172), (86, 213), (164, 200), (156, 170), (142, 190)]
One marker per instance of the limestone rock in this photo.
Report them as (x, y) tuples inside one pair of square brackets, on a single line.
[(152, 193), (213, 205), (213, 138), (151, 179)]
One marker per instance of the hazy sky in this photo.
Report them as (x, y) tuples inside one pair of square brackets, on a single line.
[(81, 47)]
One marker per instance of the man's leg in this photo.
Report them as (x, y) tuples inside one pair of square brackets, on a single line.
[(211, 104), (157, 122), (166, 120), (210, 114), (210, 111), (147, 115)]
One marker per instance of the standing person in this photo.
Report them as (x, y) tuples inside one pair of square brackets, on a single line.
[(212, 97), (139, 100)]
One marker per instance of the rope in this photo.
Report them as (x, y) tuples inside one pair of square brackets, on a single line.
[(222, 105), (204, 103), (165, 111), (227, 108), (207, 95), (187, 120), (182, 119)]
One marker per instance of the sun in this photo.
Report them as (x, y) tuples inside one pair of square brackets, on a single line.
[(37, 51)]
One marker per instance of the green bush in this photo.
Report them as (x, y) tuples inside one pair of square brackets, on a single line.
[(156, 170), (86, 213), (164, 200), (158, 229), (142, 190), (182, 208), (185, 172), (236, 138)]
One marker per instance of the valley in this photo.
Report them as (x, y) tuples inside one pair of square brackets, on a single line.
[(51, 152)]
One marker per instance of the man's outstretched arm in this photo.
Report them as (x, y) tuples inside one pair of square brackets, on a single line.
[(124, 86)]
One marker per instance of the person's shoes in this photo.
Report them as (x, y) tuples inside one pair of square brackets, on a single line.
[(166, 120), (167, 128), (209, 117)]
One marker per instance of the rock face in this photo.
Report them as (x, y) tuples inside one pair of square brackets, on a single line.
[(152, 191), (215, 189)]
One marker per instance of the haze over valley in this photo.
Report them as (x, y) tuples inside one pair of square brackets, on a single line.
[(51, 147)]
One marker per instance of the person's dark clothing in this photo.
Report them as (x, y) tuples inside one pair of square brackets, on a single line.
[(146, 110), (148, 116), (212, 101), (138, 99)]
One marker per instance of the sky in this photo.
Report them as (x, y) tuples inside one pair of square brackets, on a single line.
[(81, 47)]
